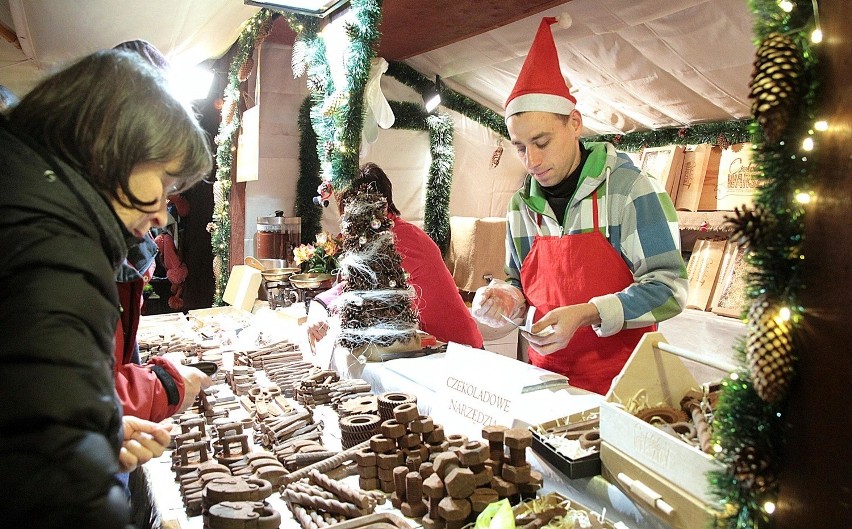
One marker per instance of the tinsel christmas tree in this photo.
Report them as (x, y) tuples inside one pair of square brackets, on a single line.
[(376, 305)]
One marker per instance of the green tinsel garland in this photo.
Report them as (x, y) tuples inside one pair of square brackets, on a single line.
[(220, 227), (309, 176), (451, 99), (744, 423), (735, 131)]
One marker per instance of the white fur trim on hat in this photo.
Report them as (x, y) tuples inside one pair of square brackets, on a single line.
[(539, 103)]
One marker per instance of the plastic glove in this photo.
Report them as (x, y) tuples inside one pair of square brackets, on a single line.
[(498, 299), (497, 515)]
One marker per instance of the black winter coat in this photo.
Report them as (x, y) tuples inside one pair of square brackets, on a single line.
[(60, 420)]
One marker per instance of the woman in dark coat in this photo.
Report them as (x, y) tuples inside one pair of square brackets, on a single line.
[(87, 159)]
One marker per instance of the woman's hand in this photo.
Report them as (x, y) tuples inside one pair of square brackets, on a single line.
[(143, 441), (316, 332)]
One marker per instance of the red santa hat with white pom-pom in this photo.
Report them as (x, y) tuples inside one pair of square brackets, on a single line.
[(540, 86)]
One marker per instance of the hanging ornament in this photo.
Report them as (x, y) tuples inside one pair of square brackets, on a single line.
[(752, 471), (392, 283), (362, 240), (775, 83), (751, 227), (375, 224), (498, 153), (681, 132), (245, 69), (617, 139), (769, 347)]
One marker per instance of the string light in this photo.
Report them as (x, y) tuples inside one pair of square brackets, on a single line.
[(785, 314), (821, 125), (803, 197), (816, 36), (785, 5), (808, 144), (769, 507)]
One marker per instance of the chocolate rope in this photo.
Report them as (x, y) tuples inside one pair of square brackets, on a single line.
[(326, 464), (303, 517), (340, 490), (315, 502)]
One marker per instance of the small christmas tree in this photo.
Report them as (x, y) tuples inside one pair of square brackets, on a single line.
[(376, 305)]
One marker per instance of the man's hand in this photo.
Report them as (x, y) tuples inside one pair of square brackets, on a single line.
[(565, 322), (498, 299), (143, 441), (194, 380)]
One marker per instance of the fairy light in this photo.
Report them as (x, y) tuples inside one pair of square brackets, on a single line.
[(816, 36), (785, 314), (808, 144), (717, 448), (821, 125), (803, 197), (785, 5), (769, 507)]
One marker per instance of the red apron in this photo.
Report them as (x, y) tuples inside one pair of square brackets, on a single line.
[(570, 270)]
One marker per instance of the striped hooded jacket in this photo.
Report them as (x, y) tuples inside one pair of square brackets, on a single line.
[(636, 216)]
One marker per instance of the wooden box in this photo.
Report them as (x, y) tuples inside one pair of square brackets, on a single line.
[(664, 164), (698, 178), (661, 378), (739, 177), (241, 290), (702, 270), (671, 504), (730, 296)]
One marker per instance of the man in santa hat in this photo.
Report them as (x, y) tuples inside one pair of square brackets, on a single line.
[(593, 244)]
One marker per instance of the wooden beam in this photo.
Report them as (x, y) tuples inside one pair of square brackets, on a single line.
[(9, 35)]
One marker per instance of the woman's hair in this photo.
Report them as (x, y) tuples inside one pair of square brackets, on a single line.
[(373, 175), (109, 112), (146, 50)]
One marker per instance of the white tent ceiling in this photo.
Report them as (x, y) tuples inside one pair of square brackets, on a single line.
[(632, 65)]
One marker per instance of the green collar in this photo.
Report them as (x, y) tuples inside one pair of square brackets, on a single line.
[(593, 167)]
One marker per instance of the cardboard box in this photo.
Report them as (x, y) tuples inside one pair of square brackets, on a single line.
[(672, 505), (664, 164), (661, 377), (582, 467), (702, 271), (739, 177), (698, 178)]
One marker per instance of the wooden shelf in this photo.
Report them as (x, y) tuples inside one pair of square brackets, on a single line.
[(696, 225)]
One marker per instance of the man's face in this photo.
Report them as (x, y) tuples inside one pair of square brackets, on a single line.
[(547, 144)]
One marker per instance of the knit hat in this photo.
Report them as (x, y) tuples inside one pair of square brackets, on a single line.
[(540, 85)]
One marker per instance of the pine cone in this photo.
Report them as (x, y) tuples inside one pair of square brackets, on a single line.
[(722, 141), (750, 226), (769, 351), (753, 471), (495, 158), (229, 111), (775, 84), (245, 69)]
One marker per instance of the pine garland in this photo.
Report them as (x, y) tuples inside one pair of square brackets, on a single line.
[(748, 429), (220, 227), (309, 176), (734, 131), (451, 99)]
